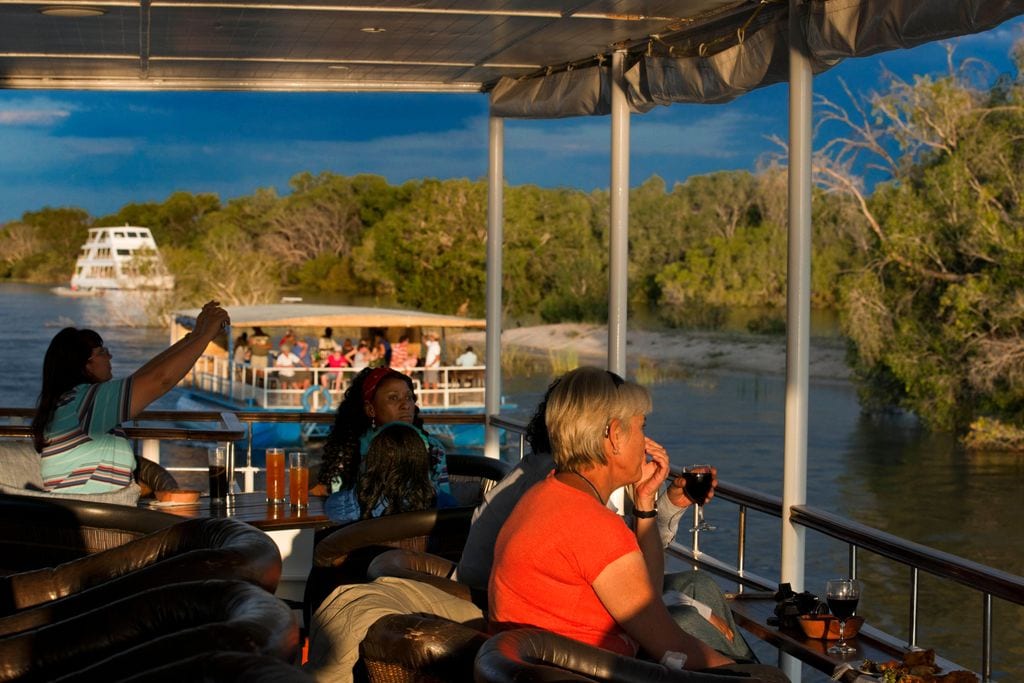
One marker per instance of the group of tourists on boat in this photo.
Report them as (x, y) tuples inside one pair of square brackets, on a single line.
[(295, 357), (544, 548)]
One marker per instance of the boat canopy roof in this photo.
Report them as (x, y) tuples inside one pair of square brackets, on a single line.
[(315, 315), (537, 58)]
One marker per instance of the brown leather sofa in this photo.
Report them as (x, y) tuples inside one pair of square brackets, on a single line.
[(194, 549), (219, 667), (45, 532), (523, 655), (153, 628)]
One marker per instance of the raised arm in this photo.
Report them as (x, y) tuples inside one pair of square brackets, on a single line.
[(161, 373), (625, 590)]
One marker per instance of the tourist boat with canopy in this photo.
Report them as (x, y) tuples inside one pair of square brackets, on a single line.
[(533, 59), (220, 380)]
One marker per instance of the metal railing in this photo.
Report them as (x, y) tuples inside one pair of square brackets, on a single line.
[(231, 427), (275, 387)]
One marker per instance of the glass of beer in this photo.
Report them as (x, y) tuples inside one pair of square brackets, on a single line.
[(298, 479), (275, 475), (218, 464)]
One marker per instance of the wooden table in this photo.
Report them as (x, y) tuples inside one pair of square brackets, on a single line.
[(752, 613), (252, 508)]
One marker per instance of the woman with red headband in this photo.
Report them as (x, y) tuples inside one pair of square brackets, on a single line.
[(376, 397)]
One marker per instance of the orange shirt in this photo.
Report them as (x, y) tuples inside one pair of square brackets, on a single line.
[(552, 548)]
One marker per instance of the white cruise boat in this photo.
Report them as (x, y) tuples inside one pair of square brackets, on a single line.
[(120, 258)]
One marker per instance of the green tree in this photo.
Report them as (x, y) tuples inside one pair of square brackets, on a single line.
[(177, 221), (430, 252), (43, 245), (935, 314), (555, 256)]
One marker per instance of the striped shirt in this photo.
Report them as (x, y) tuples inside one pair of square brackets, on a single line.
[(82, 453)]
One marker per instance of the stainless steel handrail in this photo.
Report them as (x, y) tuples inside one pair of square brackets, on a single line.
[(986, 580)]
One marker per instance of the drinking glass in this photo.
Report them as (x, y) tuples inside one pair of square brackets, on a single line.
[(842, 596), (275, 475), (219, 473), (697, 488), (298, 479)]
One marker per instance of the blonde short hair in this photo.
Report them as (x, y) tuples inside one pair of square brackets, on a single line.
[(582, 406)]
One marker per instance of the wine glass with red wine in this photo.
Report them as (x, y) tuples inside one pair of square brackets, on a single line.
[(842, 596), (697, 487)]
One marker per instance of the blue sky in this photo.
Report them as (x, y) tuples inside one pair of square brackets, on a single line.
[(99, 151)]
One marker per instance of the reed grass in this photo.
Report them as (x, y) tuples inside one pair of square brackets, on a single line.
[(563, 360), (647, 372)]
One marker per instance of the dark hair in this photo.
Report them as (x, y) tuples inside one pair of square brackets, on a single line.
[(537, 429), (63, 369), (397, 473), (328, 332), (341, 450)]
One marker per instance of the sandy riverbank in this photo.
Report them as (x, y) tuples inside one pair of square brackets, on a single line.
[(726, 351)]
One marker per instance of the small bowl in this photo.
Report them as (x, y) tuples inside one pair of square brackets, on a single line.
[(177, 496), (826, 626)]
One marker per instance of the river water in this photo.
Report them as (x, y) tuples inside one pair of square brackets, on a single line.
[(886, 472)]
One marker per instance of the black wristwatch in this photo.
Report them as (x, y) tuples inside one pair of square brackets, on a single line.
[(645, 514)]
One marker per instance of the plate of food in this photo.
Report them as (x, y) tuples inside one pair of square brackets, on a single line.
[(917, 666)]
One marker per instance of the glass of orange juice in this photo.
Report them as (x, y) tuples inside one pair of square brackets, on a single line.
[(275, 475), (298, 479)]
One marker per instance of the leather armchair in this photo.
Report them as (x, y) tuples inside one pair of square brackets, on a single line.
[(45, 532), (409, 564), (412, 648), (151, 629), (523, 655), (342, 557), (153, 476), (206, 548), (471, 476)]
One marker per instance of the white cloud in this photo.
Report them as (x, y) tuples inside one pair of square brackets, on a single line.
[(32, 117), (1004, 35), (35, 111)]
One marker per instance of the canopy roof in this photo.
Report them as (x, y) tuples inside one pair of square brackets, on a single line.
[(313, 315), (539, 57)]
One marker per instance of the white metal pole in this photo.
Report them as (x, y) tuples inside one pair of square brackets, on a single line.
[(798, 297), (618, 237), (495, 237), (798, 310), (618, 243)]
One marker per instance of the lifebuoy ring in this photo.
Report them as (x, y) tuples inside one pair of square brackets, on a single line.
[(325, 399)]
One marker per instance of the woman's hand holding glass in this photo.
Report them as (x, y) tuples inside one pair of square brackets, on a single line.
[(677, 494)]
